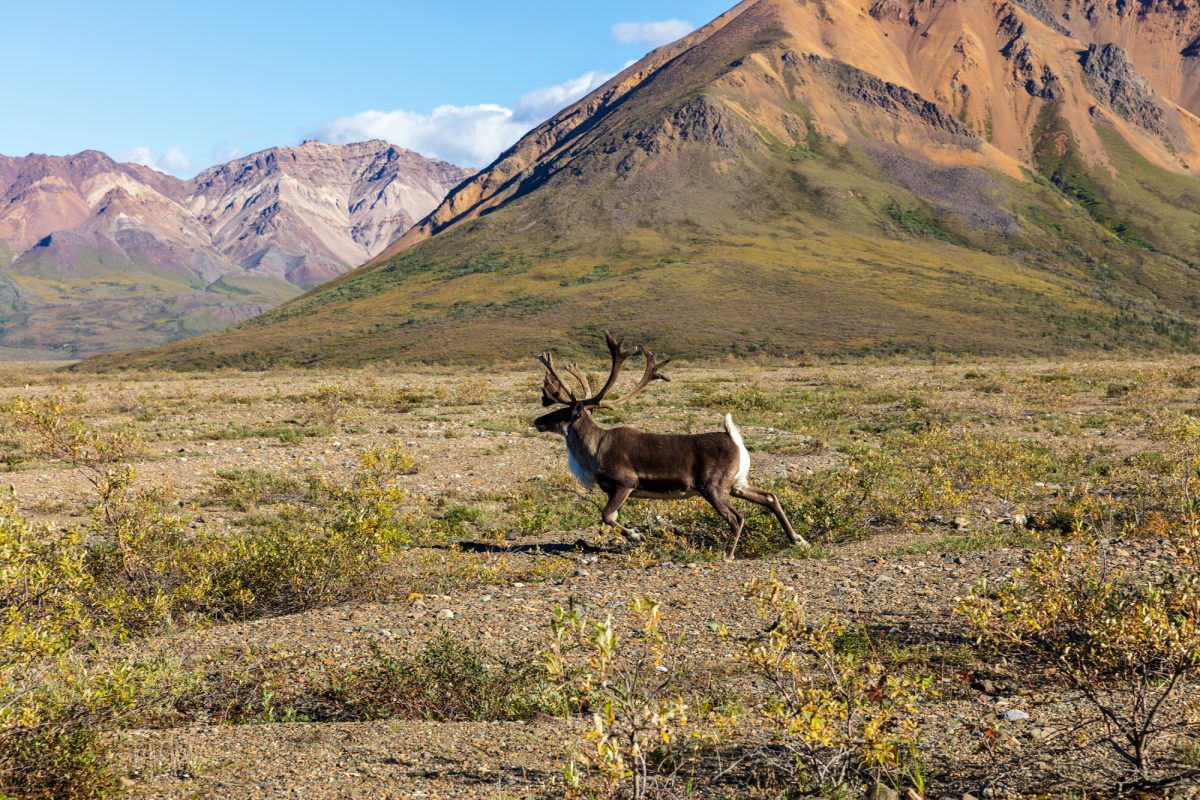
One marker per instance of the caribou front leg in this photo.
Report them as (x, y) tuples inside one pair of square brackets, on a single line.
[(616, 498)]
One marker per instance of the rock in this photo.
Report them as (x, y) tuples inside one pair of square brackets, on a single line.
[(445, 613), (1115, 81), (884, 793), (1014, 715)]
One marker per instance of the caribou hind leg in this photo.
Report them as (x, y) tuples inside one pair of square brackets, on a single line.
[(768, 500), (720, 502)]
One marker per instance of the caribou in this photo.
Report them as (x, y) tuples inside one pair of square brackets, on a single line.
[(626, 462)]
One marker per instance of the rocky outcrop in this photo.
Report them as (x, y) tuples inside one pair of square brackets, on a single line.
[(894, 11), (1028, 69), (1114, 80), (1038, 10), (863, 87)]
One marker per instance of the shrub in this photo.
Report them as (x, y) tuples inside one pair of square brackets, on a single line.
[(446, 680), (61, 757), (748, 398), (1129, 644), (134, 567), (54, 717), (634, 695), (841, 718)]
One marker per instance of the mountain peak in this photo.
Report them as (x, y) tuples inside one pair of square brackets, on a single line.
[(111, 245)]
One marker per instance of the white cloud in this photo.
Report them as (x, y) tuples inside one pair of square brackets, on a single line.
[(467, 135), (543, 103), (174, 161), (651, 34), (224, 152)]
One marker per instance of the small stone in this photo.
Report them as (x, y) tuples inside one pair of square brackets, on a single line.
[(1014, 715), (445, 613), (884, 793)]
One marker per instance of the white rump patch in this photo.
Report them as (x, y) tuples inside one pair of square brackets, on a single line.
[(741, 478)]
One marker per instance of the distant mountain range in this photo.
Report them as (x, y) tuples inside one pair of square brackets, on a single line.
[(97, 255), (798, 176)]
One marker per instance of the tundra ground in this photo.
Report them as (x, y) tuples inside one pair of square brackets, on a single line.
[(914, 482)]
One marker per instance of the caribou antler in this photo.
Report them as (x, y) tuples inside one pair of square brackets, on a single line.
[(619, 355), (653, 365), (580, 376), (554, 390)]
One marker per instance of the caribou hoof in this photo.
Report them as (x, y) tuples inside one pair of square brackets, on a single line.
[(632, 535)]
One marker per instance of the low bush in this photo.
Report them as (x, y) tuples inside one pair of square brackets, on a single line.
[(1129, 645), (446, 680), (840, 718), (635, 695), (135, 567), (1127, 641)]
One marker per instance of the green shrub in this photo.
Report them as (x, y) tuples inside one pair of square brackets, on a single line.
[(741, 398), (446, 680), (634, 693)]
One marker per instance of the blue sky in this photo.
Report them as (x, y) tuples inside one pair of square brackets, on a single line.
[(183, 85)]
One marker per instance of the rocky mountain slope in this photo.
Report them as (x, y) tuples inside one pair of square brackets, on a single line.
[(847, 176), (97, 255)]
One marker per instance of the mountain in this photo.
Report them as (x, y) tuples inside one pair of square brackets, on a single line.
[(97, 255), (820, 176)]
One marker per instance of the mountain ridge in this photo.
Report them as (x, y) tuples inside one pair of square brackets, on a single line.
[(87, 239), (856, 177)]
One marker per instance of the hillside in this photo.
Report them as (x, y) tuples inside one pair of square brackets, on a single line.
[(839, 177), (97, 255)]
